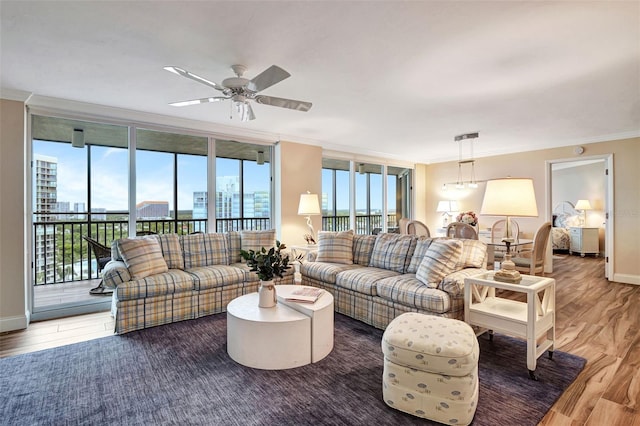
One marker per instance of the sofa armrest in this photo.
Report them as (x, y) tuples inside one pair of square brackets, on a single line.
[(454, 282), (115, 273)]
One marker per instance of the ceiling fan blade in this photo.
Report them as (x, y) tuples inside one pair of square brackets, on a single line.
[(187, 74), (198, 101), (267, 78), (284, 103)]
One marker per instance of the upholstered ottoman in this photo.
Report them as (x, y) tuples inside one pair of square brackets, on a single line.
[(431, 368)]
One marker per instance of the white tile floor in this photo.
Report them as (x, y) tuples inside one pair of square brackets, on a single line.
[(72, 292)]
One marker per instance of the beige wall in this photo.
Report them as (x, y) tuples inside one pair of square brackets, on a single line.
[(12, 216), (626, 211), (298, 170)]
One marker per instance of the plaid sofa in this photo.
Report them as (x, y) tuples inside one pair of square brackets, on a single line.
[(159, 279), (379, 277)]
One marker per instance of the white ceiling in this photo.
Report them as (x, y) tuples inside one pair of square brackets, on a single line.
[(392, 79)]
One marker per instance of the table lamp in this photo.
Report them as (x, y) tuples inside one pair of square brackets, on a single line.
[(509, 197), (583, 205), (308, 207), (446, 208)]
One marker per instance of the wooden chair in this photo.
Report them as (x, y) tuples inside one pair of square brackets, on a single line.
[(102, 254), (402, 225), (461, 230), (531, 262), (497, 233), (415, 227)]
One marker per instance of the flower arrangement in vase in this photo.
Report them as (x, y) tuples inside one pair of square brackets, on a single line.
[(268, 264), (469, 218)]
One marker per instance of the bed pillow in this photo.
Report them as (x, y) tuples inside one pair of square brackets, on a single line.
[(335, 247), (143, 257), (440, 260)]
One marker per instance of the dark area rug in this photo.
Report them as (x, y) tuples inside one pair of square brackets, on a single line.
[(181, 374)]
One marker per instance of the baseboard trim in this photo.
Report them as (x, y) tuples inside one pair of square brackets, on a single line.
[(18, 322), (627, 279)]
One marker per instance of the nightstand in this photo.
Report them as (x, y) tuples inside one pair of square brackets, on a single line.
[(584, 241)]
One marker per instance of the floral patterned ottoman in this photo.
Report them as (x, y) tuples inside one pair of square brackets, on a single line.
[(431, 368)]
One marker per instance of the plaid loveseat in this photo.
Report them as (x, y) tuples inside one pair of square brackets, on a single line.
[(159, 279), (375, 278)]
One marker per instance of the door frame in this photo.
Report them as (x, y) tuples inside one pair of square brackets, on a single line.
[(608, 200)]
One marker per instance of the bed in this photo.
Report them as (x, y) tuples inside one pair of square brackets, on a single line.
[(564, 216)]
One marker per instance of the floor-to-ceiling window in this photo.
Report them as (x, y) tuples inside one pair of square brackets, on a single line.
[(381, 195), (335, 195), (83, 185), (243, 186), (171, 182)]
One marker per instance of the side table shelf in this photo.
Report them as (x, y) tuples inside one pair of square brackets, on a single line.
[(533, 320)]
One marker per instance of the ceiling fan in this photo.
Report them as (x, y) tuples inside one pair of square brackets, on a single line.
[(241, 90)]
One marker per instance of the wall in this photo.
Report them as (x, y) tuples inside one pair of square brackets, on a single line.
[(626, 209), (298, 170), (12, 216)]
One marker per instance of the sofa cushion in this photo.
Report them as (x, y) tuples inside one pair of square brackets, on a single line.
[(422, 245), (256, 240), (173, 281), (171, 250), (454, 282), (363, 280), (409, 291), (335, 247), (204, 250), (206, 277), (362, 248), (325, 272), (441, 259), (143, 256), (393, 252), (234, 244), (473, 254)]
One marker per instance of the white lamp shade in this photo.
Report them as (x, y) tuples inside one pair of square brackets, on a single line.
[(583, 205), (308, 205), (447, 206), (510, 197)]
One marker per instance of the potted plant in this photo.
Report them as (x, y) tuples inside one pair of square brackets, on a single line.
[(268, 264)]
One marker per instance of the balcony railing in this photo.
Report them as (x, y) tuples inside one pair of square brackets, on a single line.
[(61, 255), (365, 224)]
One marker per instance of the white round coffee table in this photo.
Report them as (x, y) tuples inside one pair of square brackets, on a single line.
[(286, 336)]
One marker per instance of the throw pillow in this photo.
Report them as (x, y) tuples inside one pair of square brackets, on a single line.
[(422, 245), (362, 248), (215, 246), (393, 252), (440, 260), (473, 254), (255, 240), (335, 247), (171, 250), (143, 257)]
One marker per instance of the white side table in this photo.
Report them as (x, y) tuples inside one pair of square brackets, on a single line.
[(303, 250), (533, 320)]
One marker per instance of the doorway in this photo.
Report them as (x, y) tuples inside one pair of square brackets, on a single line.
[(589, 179)]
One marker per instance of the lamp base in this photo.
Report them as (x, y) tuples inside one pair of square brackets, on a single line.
[(507, 272), (507, 276)]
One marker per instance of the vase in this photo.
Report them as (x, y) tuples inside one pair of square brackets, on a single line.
[(267, 294)]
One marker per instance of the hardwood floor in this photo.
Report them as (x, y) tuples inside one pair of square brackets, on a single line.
[(596, 319)]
